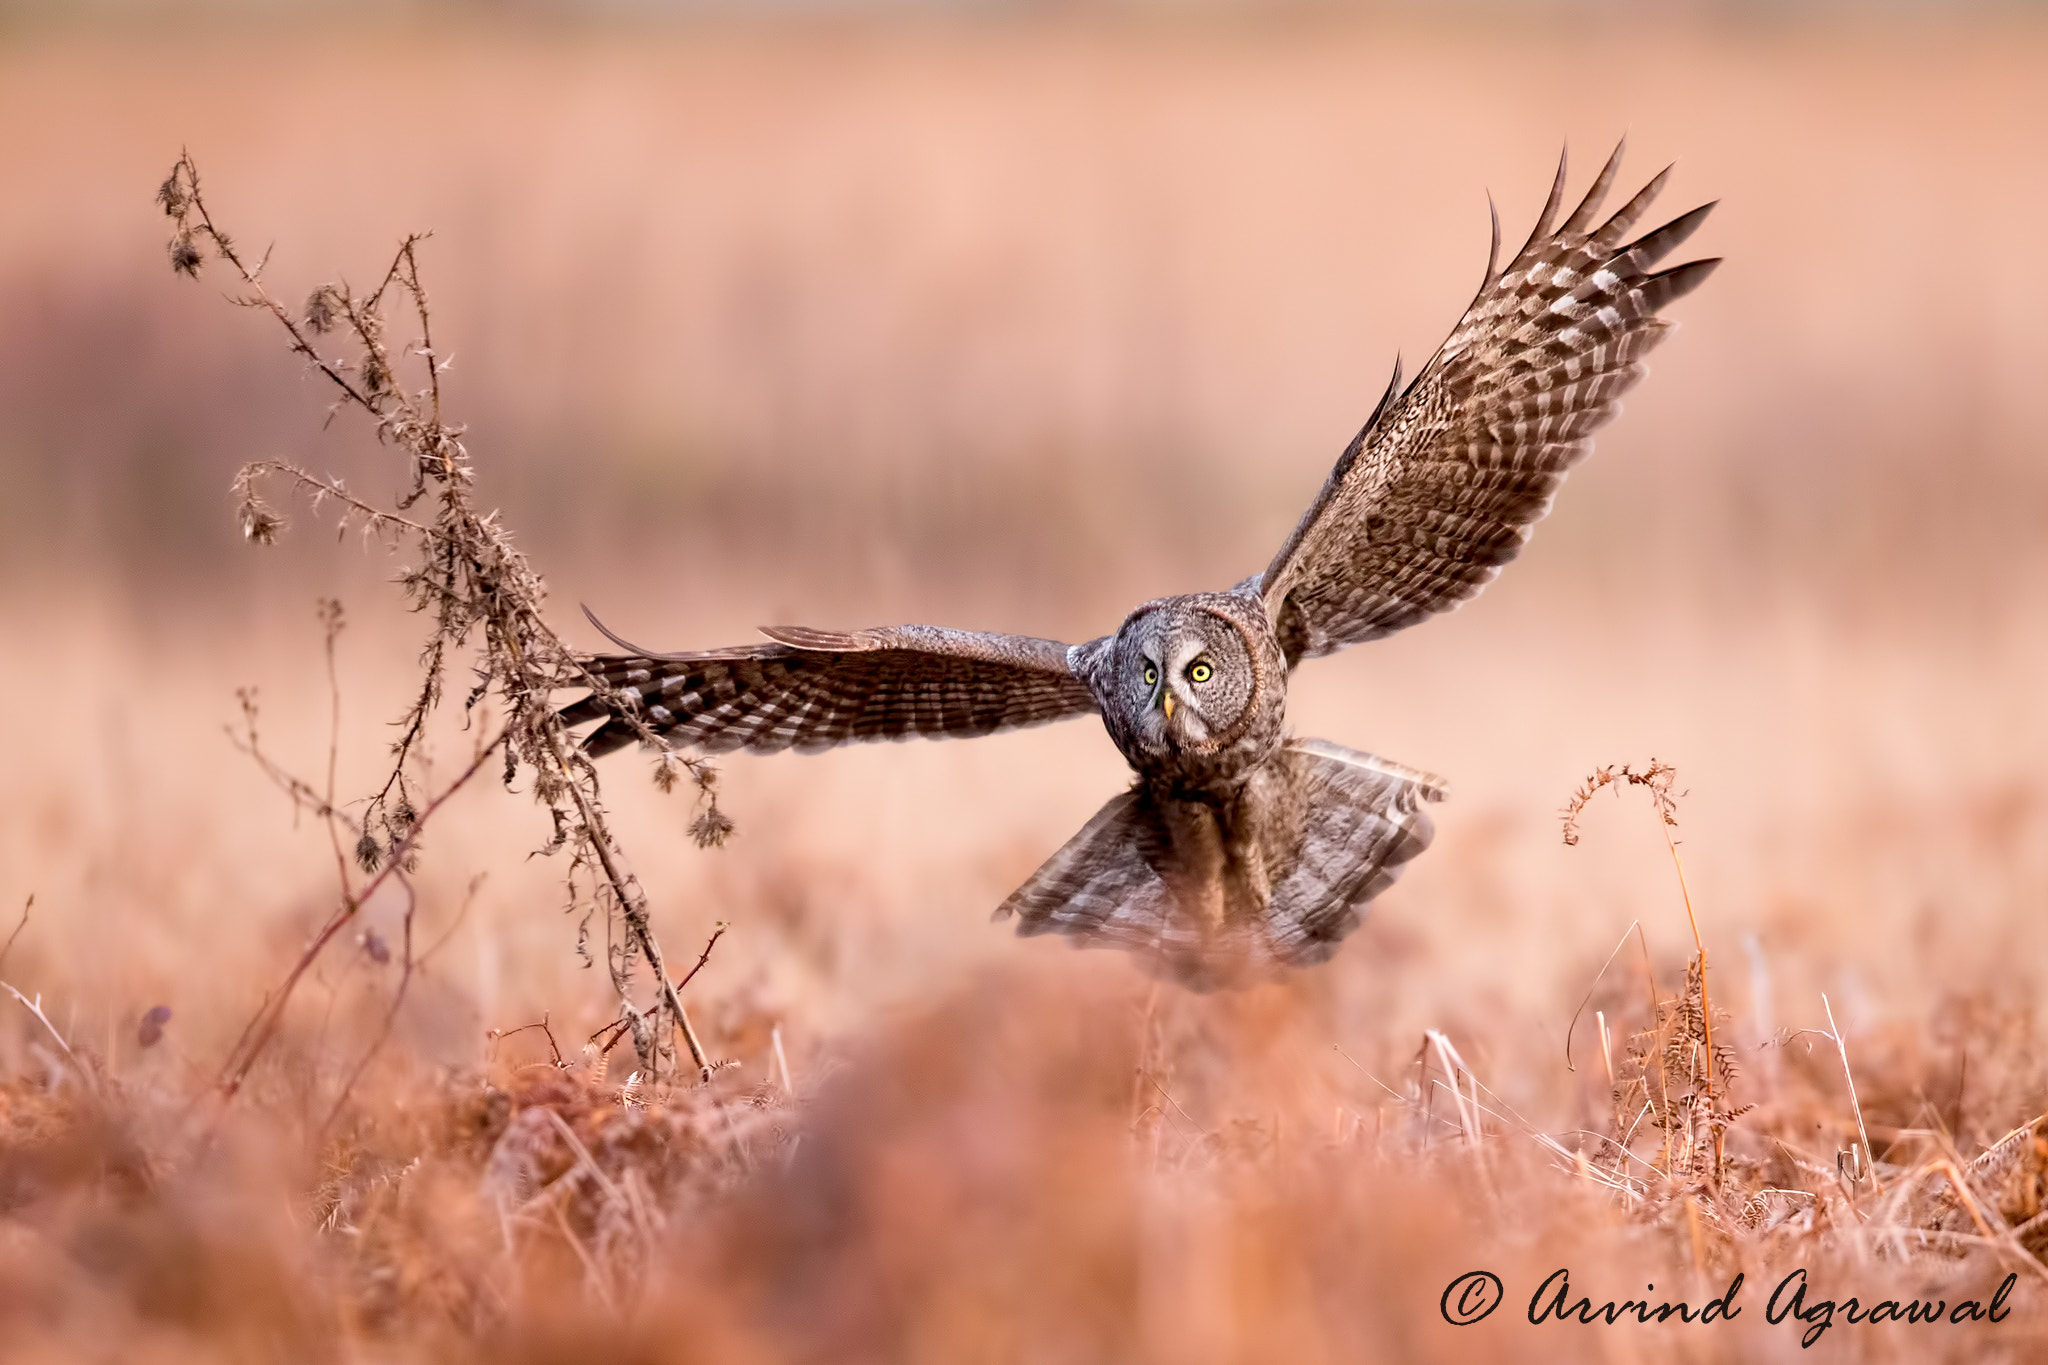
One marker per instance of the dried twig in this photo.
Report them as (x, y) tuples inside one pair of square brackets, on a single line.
[(8, 947), (390, 1014), (259, 1031), (498, 1035)]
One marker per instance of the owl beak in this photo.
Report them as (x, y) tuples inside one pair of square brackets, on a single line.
[(1166, 703)]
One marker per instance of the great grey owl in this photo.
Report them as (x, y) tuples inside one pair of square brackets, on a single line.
[(1239, 849)]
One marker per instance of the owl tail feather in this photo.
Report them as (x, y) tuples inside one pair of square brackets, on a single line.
[(1215, 894)]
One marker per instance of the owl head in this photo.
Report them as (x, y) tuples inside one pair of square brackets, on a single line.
[(1193, 676)]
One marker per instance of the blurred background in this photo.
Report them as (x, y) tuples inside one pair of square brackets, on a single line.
[(1012, 316)]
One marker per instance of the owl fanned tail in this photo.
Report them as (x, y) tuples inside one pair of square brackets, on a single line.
[(1214, 897)]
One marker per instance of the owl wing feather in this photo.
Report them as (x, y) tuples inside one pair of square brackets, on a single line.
[(1339, 827), (1443, 484), (811, 689)]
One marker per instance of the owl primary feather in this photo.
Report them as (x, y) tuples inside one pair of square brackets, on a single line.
[(1240, 850)]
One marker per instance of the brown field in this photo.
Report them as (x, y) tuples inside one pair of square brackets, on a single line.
[(1014, 323)]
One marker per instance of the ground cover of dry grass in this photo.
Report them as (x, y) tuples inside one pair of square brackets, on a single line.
[(841, 324)]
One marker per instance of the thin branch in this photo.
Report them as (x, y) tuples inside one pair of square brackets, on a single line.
[(261, 1029), (632, 901), (390, 1015), (499, 1035), (27, 905), (705, 956)]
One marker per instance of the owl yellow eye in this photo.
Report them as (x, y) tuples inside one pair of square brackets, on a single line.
[(1151, 675), (1200, 671)]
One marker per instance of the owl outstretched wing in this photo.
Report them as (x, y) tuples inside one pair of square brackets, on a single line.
[(1445, 481), (813, 689)]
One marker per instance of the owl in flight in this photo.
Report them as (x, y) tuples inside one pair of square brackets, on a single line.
[(1240, 850)]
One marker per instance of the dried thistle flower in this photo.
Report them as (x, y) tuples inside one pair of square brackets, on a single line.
[(260, 524), (712, 828), (369, 853), (322, 307), (376, 375), (185, 255), (172, 193)]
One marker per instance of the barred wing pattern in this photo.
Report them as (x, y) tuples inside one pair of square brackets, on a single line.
[(1334, 829), (1445, 481), (814, 689)]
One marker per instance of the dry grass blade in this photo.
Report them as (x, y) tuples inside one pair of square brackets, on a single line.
[(1863, 1132)]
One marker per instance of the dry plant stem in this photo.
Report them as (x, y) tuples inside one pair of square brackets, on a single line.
[(390, 1013), (1663, 1077), (782, 1060), (499, 1035), (261, 1029), (301, 792), (717, 933), (1619, 944), (23, 924), (331, 621), (1706, 1003), (1843, 1049), (632, 902), (619, 1028), (461, 915), (1452, 1063), (1656, 779), (471, 579), (1147, 1022)]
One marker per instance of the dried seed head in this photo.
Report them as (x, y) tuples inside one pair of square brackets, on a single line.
[(322, 307), (376, 375), (369, 853), (185, 255), (259, 523), (667, 769), (172, 194), (711, 829)]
